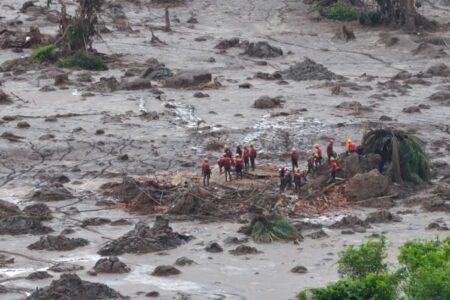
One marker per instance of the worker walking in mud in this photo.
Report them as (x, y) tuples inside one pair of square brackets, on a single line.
[(333, 169), (227, 162), (317, 156), (239, 165), (330, 150), (206, 172), (220, 164), (252, 156), (246, 158), (294, 159), (281, 172), (298, 175)]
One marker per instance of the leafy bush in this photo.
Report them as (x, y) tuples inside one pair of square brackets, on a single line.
[(338, 11), (370, 18), (272, 228), (46, 53), (83, 60), (355, 263)]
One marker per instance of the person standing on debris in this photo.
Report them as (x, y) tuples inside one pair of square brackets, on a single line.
[(227, 161), (294, 159), (252, 156), (311, 161), (298, 174), (246, 158), (288, 179), (281, 172), (220, 163), (330, 150), (227, 151), (351, 147), (318, 155), (333, 168), (206, 172), (239, 150), (239, 164)]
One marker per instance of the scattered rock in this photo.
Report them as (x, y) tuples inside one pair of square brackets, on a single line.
[(54, 193), (39, 275), (8, 209), (309, 70), (63, 267), (95, 222), (11, 137), (435, 204), (143, 239), (227, 44), (201, 95), (382, 216), (105, 203), (61, 79), (347, 231), (71, 287), (266, 102), (15, 225), (156, 70), (188, 79), (99, 132), (105, 85), (51, 119), (39, 210), (245, 85), (5, 261), (299, 270), (411, 109), (355, 163), (121, 222), (317, 235), (4, 98), (184, 261), (368, 185), (111, 265), (262, 50), (137, 84), (437, 226), (235, 240), (424, 106), (402, 75), (349, 222), (244, 250), (439, 69), (442, 97), (152, 294), (58, 243), (355, 106), (47, 88), (385, 118), (67, 231), (213, 248), (165, 271), (192, 20)]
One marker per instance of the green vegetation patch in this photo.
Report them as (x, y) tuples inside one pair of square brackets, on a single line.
[(47, 53), (83, 60)]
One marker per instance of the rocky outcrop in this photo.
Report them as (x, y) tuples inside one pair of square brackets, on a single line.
[(367, 185), (19, 224), (111, 265), (356, 164), (58, 243), (188, 79)]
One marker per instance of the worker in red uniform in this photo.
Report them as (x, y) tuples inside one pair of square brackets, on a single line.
[(330, 150), (351, 147), (239, 165), (311, 161), (252, 157), (246, 158), (239, 150), (281, 173), (298, 175), (294, 159), (318, 155), (333, 168), (288, 179), (220, 164), (227, 161), (206, 172), (227, 151)]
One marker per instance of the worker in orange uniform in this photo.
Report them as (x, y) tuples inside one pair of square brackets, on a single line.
[(239, 165), (351, 147), (252, 156), (318, 155), (206, 172), (298, 175), (246, 158), (227, 161), (330, 150), (333, 168)]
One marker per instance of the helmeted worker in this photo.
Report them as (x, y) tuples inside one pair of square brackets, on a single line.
[(239, 150), (294, 159), (351, 147), (318, 155), (311, 161), (252, 156), (281, 172), (220, 164), (246, 158), (227, 151), (333, 168), (330, 150), (206, 172), (298, 175), (239, 164), (288, 179), (227, 161)]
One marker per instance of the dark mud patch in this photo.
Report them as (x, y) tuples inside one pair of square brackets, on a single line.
[(39, 210), (165, 271), (244, 250)]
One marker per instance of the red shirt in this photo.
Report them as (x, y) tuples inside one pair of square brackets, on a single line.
[(294, 154), (298, 174), (220, 162), (252, 152), (352, 147), (319, 152), (239, 161), (329, 147), (227, 161), (206, 166), (246, 153), (333, 166)]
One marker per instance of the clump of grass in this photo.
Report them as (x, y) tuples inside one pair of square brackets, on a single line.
[(83, 60), (46, 53), (273, 228), (338, 11)]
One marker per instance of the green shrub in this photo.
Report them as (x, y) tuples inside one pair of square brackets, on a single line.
[(371, 18), (358, 262), (83, 60), (46, 53), (338, 11), (273, 228)]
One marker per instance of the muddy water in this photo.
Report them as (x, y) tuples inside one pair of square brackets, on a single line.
[(176, 140)]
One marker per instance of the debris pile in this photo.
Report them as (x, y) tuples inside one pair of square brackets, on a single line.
[(262, 50), (58, 243), (111, 265), (310, 70)]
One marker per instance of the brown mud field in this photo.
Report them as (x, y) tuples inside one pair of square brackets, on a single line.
[(100, 188)]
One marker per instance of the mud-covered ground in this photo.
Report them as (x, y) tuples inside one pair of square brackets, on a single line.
[(94, 136)]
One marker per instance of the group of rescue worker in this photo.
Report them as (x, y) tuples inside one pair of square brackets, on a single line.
[(245, 160)]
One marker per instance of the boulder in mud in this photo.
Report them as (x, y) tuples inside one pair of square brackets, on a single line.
[(111, 265), (349, 221), (105, 85), (23, 124), (437, 226), (4, 98), (213, 248), (19, 224), (58, 243), (63, 267), (367, 185), (227, 44), (382, 216), (266, 102), (309, 70), (411, 109), (39, 210), (61, 79), (165, 270), (156, 70), (440, 69), (355, 106), (51, 193), (355, 163), (436, 204), (8, 209), (38, 275), (244, 250), (95, 222), (235, 240), (443, 97), (137, 84), (262, 50), (121, 222), (318, 235), (299, 270), (184, 261), (188, 79), (71, 287), (143, 239)]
